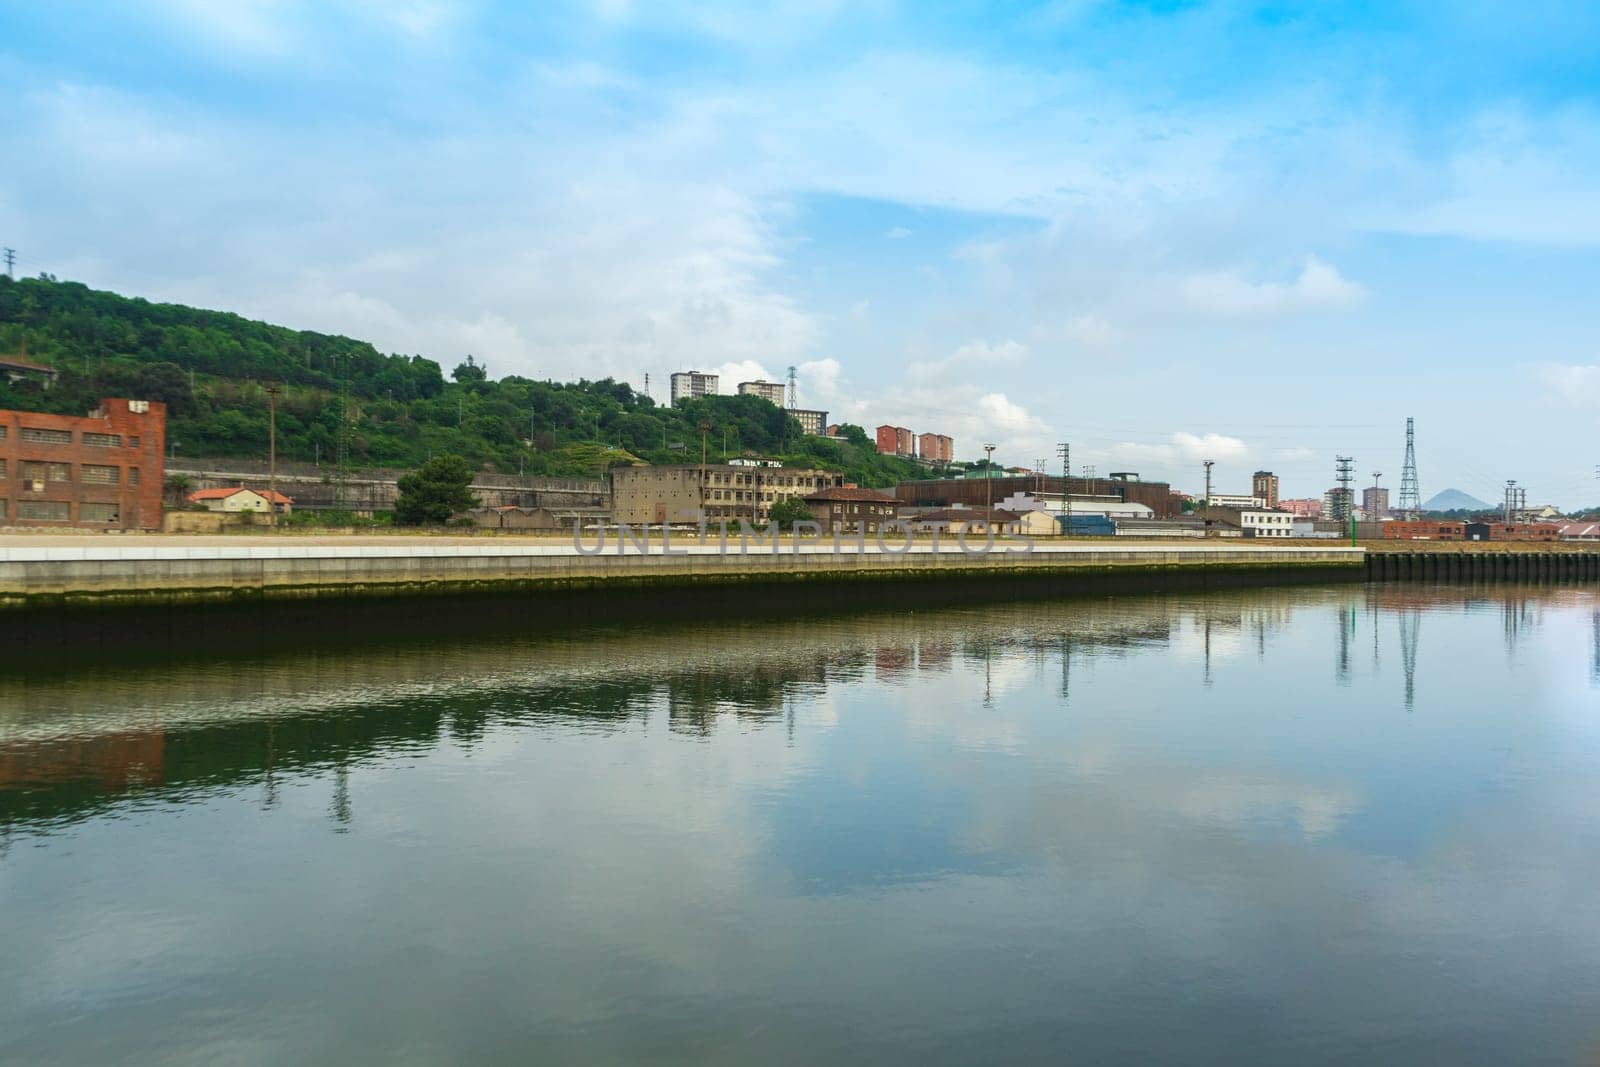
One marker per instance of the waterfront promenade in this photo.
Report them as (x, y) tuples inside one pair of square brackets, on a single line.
[(43, 571)]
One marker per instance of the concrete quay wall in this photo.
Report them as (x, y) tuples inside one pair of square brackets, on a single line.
[(63, 575)]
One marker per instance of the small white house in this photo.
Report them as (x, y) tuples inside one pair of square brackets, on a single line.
[(241, 499)]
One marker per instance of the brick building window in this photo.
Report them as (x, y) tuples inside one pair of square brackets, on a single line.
[(102, 440), (133, 440), (98, 513), (2, 469), (44, 510), (98, 474), (133, 475), (40, 471), (4, 503), (3, 431), (34, 435)]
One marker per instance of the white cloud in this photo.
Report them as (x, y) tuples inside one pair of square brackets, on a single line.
[(1573, 385), (1182, 449), (821, 382), (970, 357), (1318, 287), (1511, 176), (1091, 330), (898, 233), (729, 375)]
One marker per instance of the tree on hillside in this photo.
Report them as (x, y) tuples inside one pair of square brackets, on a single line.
[(167, 383), (434, 492), (470, 371)]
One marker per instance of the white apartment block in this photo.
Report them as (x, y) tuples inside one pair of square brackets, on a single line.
[(691, 383), (772, 392)]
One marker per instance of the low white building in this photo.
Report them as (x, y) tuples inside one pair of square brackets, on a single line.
[(1231, 500), (1266, 524), (1111, 507)]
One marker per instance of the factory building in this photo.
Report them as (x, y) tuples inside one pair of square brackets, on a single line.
[(103, 471)]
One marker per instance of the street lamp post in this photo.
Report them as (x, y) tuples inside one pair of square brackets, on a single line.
[(988, 486)]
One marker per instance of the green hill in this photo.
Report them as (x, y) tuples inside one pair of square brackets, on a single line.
[(211, 368)]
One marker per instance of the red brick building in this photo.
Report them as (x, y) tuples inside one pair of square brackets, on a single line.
[(103, 471), (936, 448), (896, 441), (1424, 530)]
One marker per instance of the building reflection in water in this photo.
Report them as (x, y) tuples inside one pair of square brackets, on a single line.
[(1595, 666), (181, 730)]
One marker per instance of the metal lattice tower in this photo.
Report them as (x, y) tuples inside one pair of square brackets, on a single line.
[(794, 389), (1409, 503), (1344, 504), (341, 469), (1065, 452)]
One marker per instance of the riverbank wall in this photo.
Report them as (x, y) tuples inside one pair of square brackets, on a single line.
[(78, 575), (1504, 564)]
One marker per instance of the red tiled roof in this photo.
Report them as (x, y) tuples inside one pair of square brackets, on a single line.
[(223, 494), (851, 493)]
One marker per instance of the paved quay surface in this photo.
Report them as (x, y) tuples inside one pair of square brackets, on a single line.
[(64, 548)]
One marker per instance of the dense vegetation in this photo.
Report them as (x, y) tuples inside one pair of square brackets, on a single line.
[(211, 368), (434, 491)]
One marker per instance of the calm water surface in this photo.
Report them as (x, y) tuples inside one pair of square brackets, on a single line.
[(1312, 825)]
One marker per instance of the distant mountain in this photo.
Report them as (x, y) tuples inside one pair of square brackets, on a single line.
[(1455, 500)]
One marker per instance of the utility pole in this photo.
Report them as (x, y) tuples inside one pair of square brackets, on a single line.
[(988, 486), (11, 263), (705, 428), (1064, 450), (272, 450)]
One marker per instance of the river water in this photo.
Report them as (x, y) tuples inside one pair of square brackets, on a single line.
[(1314, 825)]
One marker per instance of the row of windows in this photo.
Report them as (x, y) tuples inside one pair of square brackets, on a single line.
[(792, 481), (38, 435), (61, 511), (740, 494), (37, 470)]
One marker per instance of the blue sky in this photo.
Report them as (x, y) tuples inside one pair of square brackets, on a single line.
[(1260, 233)]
